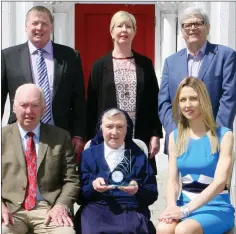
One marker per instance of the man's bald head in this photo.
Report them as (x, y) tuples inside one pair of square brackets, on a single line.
[(29, 106), (26, 87)]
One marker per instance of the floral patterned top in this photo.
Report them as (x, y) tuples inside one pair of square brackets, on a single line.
[(126, 83)]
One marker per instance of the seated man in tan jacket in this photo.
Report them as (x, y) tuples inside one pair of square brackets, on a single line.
[(39, 179)]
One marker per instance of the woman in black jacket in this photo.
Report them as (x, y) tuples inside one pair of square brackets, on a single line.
[(127, 80)]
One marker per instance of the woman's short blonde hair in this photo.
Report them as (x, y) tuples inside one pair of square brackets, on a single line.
[(122, 16)]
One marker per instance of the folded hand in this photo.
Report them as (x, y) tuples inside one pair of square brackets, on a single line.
[(171, 213)]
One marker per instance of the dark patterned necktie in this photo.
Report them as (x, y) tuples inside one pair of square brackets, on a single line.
[(31, 166), (44, 84)]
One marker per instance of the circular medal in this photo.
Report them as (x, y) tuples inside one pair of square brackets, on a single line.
[(117, 176)]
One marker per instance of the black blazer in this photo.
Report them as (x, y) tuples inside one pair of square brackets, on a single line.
[(102, 95), (68, 104)]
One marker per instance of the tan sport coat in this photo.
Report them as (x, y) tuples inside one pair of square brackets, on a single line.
[(57, 178)]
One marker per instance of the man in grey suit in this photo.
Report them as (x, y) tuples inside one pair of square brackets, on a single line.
[(55, 68), (37, 197)]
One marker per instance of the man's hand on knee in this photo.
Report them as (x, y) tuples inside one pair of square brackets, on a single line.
[(7, 217), (59, 215)]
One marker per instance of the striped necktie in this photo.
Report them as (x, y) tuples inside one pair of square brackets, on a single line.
[(44, 84)]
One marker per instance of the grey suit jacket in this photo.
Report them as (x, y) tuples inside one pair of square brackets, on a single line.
[(57, 178)]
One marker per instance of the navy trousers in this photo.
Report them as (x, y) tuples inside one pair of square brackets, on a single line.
[(104, 219)]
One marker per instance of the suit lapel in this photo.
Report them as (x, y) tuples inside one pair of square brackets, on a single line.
[(140, 79), (43, 145), (109, 78), (58, 67), (209, 55), (24, 60), (183, 64), (17, 146)]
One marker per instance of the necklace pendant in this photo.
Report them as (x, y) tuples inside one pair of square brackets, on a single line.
[(126, 94)]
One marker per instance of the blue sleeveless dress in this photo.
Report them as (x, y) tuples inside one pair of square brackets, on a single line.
[(197, 167)]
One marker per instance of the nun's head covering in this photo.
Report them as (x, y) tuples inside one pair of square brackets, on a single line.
[(98, 139)]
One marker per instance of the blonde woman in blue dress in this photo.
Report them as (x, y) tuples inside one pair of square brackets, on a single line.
[(200, 155)]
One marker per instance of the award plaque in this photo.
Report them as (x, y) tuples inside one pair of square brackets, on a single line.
[(120, 175), (117, 176)]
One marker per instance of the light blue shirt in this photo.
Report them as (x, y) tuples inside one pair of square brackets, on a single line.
[(194, 62), (36, 138), (48, 58)]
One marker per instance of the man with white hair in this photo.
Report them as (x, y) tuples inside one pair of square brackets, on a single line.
[(39, 179), (214, 64)]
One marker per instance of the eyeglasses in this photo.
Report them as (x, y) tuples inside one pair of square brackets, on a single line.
[(197, 24)]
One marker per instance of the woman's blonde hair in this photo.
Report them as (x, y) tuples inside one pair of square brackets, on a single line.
[(206, 113), (122, 16)]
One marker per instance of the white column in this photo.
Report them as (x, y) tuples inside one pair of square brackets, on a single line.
[(7, 36), (13, 22), (71, 24), (215, 22), (228, 24), (232, 25), (64, 23), (8, 24), (168, 47), (223, 25), (204, 5), (168, 32), (158, 64), (61, 28), (20, 14)]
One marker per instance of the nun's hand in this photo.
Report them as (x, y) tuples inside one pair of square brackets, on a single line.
[(100, 185), (132, 188)]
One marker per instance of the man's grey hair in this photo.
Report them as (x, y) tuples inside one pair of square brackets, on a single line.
[(193, 11), (112, 112)]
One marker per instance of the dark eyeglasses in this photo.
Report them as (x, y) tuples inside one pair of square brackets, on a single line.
[(197, 24)]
